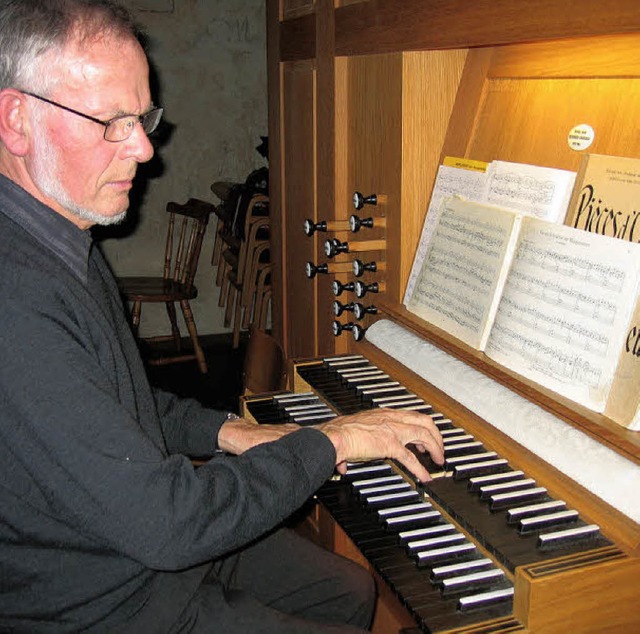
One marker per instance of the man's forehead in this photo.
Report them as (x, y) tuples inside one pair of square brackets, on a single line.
[(91, 62)]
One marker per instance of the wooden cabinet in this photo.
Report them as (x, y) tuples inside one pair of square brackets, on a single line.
[(370, 96)]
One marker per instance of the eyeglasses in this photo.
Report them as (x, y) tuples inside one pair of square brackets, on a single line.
[(119, 128)]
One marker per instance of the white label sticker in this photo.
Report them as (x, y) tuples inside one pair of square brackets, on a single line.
[(580, 137)]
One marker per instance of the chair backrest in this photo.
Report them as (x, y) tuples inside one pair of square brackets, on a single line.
[(187, 226), (264, 367)]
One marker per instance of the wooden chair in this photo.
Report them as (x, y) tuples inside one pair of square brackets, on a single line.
[(187, 226), (241, 265), (264, 368), (243, 279), (238, 207), (223, 190)]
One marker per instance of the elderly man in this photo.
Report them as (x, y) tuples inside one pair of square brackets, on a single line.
[(105, 525)]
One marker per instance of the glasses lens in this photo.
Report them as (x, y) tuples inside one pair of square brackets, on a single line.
[(151, 119), (121, 129)]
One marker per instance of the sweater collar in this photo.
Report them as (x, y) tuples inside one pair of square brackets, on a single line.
[(70, 243)]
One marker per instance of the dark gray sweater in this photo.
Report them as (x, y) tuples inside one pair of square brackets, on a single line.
[(104, 523)]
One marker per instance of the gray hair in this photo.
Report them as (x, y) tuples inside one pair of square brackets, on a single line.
[(30, 29)]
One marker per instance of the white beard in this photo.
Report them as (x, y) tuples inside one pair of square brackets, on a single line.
[(45, 169)]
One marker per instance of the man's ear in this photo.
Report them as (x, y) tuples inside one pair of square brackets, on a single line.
[(15, 124)]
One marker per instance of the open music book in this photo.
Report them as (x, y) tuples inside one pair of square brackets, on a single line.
[(530, 189), (550, 302)]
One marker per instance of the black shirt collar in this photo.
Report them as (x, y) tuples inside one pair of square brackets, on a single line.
[(70, 243)]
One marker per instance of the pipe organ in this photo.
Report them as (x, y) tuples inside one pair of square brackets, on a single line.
[(536, 512)]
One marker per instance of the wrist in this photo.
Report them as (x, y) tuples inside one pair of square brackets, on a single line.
[(229, 416)]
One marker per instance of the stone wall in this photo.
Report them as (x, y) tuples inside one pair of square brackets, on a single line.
[(209, 73)]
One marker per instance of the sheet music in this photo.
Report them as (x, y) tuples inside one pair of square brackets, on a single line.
[(532, 190), (543, 192), (463, 270), (565, 309), (450, 181)]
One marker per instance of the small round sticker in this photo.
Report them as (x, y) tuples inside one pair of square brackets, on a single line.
[(580, 137)]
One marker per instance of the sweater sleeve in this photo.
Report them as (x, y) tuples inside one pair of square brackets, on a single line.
[(188, 428), (83, 457)]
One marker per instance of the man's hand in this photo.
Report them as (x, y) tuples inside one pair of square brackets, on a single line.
[(384, 433), (239, 435)]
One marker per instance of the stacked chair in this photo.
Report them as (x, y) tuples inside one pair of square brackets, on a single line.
[(242, 254)]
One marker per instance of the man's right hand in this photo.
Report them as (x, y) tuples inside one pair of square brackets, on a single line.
[(384, 433)]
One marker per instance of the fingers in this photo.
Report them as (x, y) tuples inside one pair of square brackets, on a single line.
[(420, 431), (384, 433), (408, 459)]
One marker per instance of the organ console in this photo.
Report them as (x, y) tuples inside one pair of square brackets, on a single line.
[(493, 543), (375, 96)]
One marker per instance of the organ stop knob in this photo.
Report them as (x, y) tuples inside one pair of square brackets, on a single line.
[(338, 287), (361, 289), (360, 310), (339, 308), (359, 200), (312, 270)]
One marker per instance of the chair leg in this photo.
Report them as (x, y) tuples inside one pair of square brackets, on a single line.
[(264, 309), (135, 316), (220, 273), (193, 333), (231, 296), (217, 243), (224, 290), (175, 331), (237, 320), (249, 315)]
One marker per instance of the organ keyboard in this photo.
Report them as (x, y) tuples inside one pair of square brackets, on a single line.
[(483, 546)]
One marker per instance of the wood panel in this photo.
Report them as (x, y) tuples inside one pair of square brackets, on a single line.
[(296, 8), (387, 26), (298, 203), (529, 120), (297, 38), (329, 99), (424, 124), (374, 164), (593, 600)]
